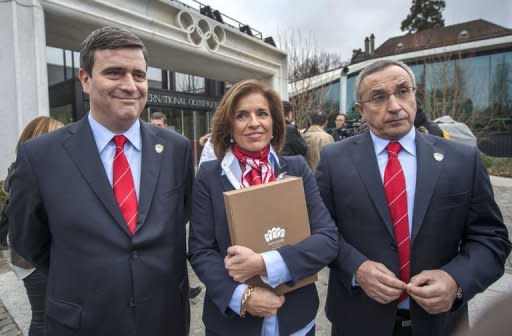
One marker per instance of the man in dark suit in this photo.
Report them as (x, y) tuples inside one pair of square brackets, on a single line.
[(294, 144), (106, 220), (423, 233)]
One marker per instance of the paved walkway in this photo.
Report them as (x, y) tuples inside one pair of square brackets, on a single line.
[(17, 311)]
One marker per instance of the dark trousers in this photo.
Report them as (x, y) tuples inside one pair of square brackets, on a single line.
[(35, 284), (400, 329)]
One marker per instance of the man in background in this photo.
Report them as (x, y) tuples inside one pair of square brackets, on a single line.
[(294, 144), (316, 138), (158, 119), (338, 133)]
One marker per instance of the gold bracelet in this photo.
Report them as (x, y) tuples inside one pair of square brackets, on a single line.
[(245, 298)]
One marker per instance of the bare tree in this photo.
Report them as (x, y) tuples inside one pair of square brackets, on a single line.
[(305, 62)]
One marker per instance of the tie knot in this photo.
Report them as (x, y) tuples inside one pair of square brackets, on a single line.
[(119, 140), (393, 148)]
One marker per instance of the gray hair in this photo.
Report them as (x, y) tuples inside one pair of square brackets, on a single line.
[(377, 66)]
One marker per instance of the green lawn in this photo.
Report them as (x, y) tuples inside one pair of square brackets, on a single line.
[(498, 166)]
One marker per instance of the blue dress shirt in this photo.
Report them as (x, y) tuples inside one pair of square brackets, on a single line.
[(107, 149), (407, 158)]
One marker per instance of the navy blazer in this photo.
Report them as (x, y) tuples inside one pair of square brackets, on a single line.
[(64, 218), (209, 241), (457, 227)]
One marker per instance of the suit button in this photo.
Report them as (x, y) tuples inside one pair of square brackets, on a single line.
[(131, 302), (134, 255)]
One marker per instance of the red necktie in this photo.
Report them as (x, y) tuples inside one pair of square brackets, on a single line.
[(396, 195), (124, 189)]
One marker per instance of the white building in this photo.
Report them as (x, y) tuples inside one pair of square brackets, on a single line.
[(41, 39)]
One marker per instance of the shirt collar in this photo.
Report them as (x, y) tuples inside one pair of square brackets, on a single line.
[(231, 168), (103, 135), (407, 141)]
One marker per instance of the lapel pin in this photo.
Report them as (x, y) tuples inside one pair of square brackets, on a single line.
[(438, 156), (159, 148)]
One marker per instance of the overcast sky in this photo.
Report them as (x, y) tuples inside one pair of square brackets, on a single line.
[(340, 25)]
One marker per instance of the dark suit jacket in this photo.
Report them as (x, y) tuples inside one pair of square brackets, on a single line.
[(209, 240), (457, 227), (64, 218), (294, 144)]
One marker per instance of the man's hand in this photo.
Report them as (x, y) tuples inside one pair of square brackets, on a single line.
[(378, 282), (243, 263), (433, 290), (263, 302)]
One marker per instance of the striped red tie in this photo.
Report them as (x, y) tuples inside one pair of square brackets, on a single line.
[(124, 189), (396, 195)]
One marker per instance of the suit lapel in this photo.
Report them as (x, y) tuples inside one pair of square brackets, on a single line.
[(82, 149), (150, 170), (282, 167), (428, 170), (366, 164)]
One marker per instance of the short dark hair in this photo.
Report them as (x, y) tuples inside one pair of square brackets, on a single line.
[(222, 120), (158, 116), (318, 118), (108, 38), (287, 107)]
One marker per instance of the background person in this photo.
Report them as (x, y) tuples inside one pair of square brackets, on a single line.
[(423, 232), (158, 119), (294, 144), (100, 205), (338, 133), (316, 137), (248, 132), (33, 279)]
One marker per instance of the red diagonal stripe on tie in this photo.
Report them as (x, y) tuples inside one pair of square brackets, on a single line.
[(396, 196), (124, 189)]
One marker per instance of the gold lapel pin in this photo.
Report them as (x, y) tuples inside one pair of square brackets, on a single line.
[(438, 156), (159, 148)]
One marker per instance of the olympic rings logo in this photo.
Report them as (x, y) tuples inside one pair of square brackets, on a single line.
[(201, 32)]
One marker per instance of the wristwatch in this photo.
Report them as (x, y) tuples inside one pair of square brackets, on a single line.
[(459, 294)]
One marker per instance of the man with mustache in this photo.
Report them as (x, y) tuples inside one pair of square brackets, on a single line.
[(423, 232), (101, 205)]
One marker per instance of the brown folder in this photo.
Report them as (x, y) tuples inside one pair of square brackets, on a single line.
[(268, 216)]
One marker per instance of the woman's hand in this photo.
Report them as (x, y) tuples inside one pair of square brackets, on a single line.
[(243, 263), (263, 302)]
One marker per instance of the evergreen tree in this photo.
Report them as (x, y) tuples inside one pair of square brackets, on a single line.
[(424, 14)]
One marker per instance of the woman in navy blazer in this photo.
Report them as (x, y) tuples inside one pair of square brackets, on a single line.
[(248, 133)]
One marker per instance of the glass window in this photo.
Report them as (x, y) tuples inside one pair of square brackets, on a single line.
[(501, 91), (472, 82), (439, 79), (63, 113), (351, 99), (189, 83), (154, 76)]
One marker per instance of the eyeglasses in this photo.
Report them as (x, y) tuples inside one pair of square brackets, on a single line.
[(382, 98)]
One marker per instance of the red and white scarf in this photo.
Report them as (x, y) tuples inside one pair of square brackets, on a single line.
[(255, 165)]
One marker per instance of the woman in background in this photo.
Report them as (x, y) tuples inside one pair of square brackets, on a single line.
[(34, 280)]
